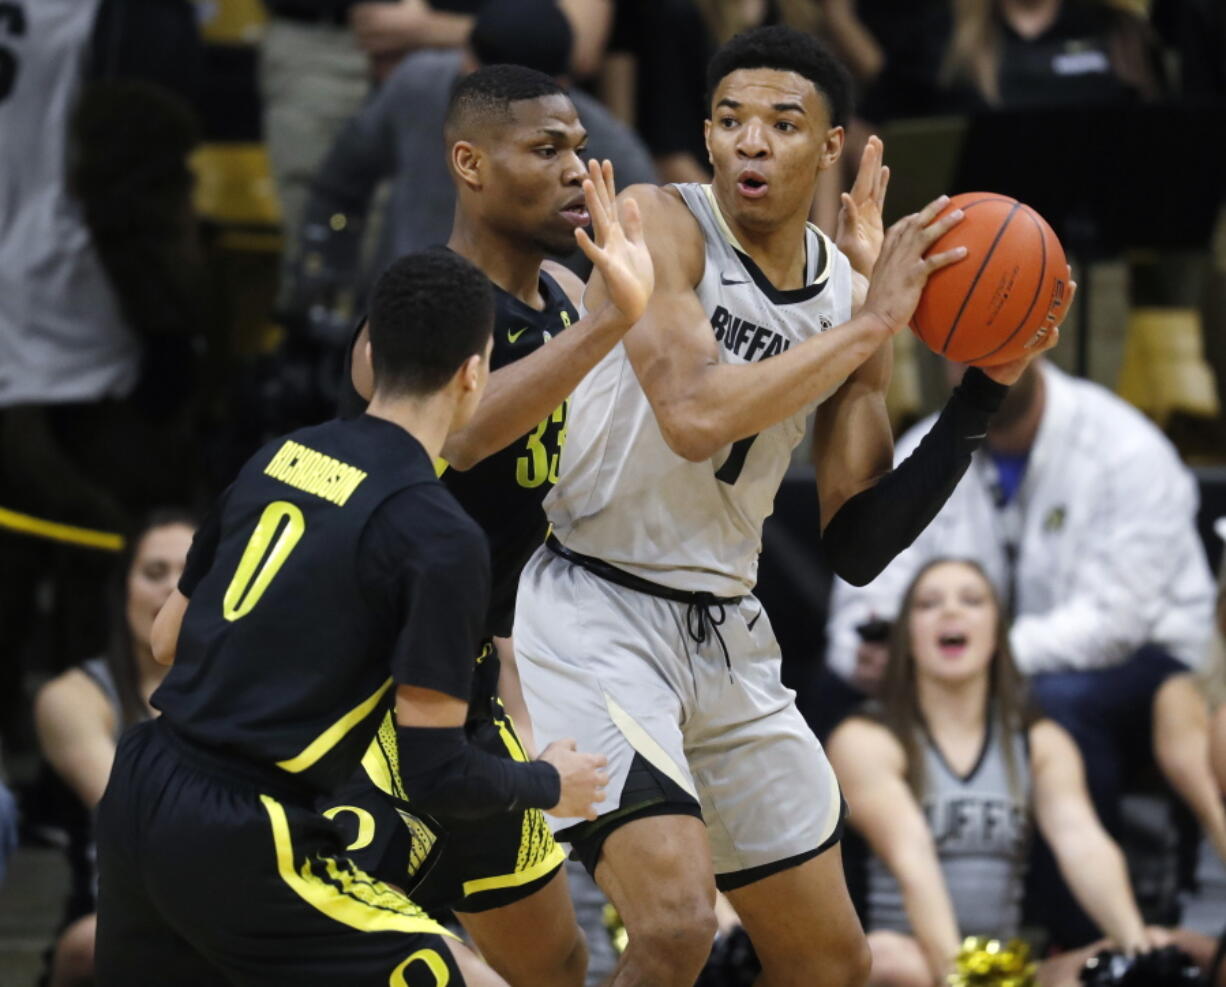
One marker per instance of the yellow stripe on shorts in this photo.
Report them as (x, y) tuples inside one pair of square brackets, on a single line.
[(345, 896)]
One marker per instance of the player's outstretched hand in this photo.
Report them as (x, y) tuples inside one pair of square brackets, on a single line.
[(861, 229), (583, 779), (1048, 336), (619, 251), (902, 270)]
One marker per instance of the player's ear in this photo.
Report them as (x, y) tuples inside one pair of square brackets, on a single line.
[(836, 137), (706, 139), (472, 371), (466, 163)]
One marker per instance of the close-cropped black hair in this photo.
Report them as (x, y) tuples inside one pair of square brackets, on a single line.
[(485, 96), (429, 312), (789, 50)]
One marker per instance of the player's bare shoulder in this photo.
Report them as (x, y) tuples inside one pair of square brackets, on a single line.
[(672, 233)]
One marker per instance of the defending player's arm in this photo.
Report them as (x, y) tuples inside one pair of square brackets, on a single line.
[(445, 591), (703, 404), (519, 396), (871, 767), (1090, 862)]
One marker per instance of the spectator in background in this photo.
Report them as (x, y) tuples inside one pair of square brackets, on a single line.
[(942, 778), (93, 184), (399, 135), (316, 71), (669, 78), (1083, 517), (320, 58), (81, 713)]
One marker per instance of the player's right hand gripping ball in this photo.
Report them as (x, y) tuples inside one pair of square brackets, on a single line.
[(1001, 300)]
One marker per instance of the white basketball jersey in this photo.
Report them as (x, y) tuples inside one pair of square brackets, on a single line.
[(624, 496), (62, 337)]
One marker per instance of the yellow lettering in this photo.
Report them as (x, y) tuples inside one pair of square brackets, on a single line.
[(311, 471)]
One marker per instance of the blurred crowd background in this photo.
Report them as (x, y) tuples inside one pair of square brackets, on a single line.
[(195, 196)]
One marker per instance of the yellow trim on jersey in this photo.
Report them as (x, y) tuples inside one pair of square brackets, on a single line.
[(27, 524), (554, 858), (381, 762), (440, 466), (320, 746), (347, 896), (726, 230)]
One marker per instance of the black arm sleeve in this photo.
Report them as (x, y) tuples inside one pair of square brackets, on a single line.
[(872, 527), (446, 776)]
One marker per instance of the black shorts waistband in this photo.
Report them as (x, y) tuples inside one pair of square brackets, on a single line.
[(236, 771), (601, 568)]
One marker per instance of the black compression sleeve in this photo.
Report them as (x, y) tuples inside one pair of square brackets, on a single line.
[(872, 527), (446, 776)]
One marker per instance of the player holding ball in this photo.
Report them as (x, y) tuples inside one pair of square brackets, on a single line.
[(637, 631)]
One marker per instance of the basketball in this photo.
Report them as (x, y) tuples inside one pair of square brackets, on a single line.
[(1005, 296)]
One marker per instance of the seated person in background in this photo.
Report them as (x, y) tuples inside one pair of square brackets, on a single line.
[(1083, 517), (81, 713), (942, 779), (1015, 54), (399, 136)]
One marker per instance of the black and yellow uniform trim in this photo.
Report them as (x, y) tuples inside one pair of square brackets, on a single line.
[(214, 869), (341, 893), (337, 732), (466, 866)]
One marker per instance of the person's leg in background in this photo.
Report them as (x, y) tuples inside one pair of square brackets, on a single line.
[(1102, 709), (313, 78)]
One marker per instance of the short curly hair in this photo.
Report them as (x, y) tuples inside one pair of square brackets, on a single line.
[(788, 50), (429, 312)]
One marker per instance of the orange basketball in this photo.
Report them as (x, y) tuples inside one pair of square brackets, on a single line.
[(1005, 295)]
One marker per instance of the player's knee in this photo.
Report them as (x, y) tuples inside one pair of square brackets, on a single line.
[(677, 934)]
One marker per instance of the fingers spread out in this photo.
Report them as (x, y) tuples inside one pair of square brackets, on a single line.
[(935, 231), (936, 261), (932, 210)]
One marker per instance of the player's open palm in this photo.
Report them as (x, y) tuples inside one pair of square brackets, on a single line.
[(861, 228), (902, 270), (618, 251), (583, 779)]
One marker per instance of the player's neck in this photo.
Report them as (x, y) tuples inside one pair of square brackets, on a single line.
[(778, 252), (506, 262), (427, 419)]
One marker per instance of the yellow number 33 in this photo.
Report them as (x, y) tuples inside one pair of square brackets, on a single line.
[(275, 535)]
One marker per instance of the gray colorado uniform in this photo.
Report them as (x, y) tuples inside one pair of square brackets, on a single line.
[(981, 828), (693, 690)]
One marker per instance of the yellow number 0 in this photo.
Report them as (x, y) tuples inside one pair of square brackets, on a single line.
[(251, 577)]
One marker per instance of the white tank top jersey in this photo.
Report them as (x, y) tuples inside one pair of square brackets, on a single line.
[(625, 497), (62, 337)]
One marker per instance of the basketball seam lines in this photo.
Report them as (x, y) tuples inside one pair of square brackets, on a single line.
[(978, 274), (915, 322), (1038, 288)]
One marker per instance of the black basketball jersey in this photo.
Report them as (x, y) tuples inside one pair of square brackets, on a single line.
[(504, 492), (335, 567)]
